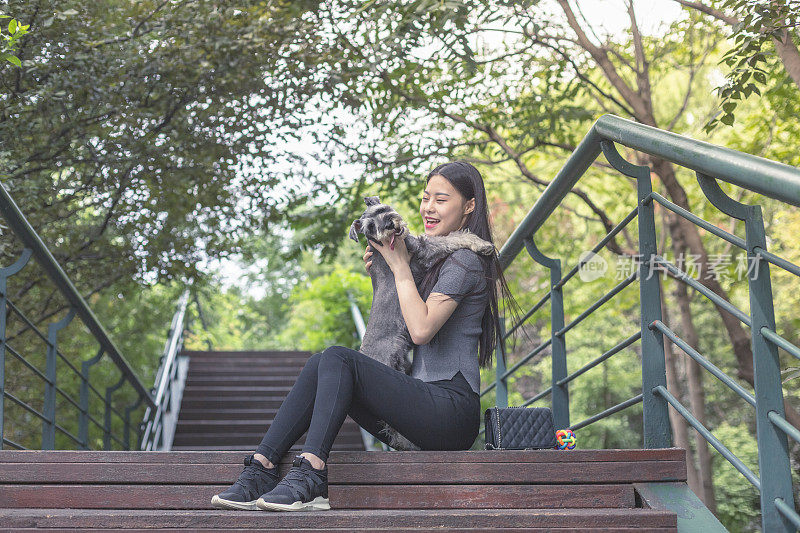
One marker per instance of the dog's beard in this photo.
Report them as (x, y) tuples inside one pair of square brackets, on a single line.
[(392, 236)]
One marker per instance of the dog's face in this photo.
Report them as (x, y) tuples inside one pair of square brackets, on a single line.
[(378, 222)]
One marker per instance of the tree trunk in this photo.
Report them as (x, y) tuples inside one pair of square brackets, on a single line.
[(680, 428), (789, 55), (697, 398), (694, 376)]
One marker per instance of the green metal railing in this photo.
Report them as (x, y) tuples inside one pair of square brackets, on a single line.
[(57, 364), (710, 163)]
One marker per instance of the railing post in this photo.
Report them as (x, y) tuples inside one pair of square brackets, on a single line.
[(107, 420), (5, 273), (773, 448), (126, 437), (49, 411), (558, 344), (501, 388), (655, 411), (83, 417)]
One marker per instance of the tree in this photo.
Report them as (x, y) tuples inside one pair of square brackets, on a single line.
[(756, 24)]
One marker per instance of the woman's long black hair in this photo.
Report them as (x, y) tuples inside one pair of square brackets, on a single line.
[(468, 181)]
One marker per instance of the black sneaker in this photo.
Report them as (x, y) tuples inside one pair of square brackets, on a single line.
[(304, 488), (254, 480)]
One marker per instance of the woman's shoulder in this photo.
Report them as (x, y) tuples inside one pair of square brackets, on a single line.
[(466, 258)]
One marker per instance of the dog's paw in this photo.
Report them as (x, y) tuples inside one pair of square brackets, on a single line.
[(396, 440)]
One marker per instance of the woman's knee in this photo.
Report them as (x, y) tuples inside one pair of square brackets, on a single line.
[(340, 352)]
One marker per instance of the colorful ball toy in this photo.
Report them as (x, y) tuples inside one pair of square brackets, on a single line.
[(565, 439)]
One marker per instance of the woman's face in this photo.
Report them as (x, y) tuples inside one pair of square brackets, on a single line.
[(443, 209)]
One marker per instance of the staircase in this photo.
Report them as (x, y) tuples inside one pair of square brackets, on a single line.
[(539, 490), (230, 399)]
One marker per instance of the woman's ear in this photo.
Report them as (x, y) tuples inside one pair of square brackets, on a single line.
[(469, 207)]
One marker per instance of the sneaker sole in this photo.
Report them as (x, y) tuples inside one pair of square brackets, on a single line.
[(221, 503), (317, 504)]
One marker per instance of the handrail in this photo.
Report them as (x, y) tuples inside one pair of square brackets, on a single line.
[(22, 228), (711, 163), (165, 381), (51, 420)]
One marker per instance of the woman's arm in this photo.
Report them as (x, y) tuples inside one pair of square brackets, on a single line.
[(423, 318)]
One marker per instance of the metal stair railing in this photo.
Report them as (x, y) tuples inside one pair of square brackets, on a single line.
[(711, 163), (51, 423), (159, 421)]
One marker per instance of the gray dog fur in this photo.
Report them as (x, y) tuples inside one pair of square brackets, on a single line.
[(386, 338)]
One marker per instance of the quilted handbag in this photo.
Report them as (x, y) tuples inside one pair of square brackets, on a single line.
[(519, 428)]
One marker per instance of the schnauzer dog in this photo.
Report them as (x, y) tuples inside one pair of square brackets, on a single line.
[(386, 338)]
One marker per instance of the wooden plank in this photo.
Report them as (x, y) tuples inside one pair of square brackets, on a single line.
[(174, 496), (247, 449), (247, 353), (390, 519), (260, 425), (237, 380), (237, 391), (544, 473), (481, 496), (380, 530), (366, 473), (252, 370), (242, 436), (245, 402), (424, 456), (223, 413)]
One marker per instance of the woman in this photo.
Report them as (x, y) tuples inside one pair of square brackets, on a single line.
[(452, 317)]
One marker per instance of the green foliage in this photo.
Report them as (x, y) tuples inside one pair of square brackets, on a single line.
[(737, 500), (320, 311), (9, 40), (760, 21)]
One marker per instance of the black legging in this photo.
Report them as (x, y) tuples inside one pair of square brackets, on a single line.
[(438, 415)]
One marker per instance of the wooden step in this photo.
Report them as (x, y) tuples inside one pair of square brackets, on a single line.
[(225, 413), (247, 353), (436, 467), (417, 496), (215, 380), (251, 370), (633, 457), (348, 520), (233, 402), (248, 448), (237, 437), (250, 425), (266, 368), (255, 390)]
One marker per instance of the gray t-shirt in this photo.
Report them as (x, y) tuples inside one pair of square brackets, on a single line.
[(455, 346)]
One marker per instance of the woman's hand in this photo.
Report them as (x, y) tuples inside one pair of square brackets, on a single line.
[(396, 258), (367, 260)]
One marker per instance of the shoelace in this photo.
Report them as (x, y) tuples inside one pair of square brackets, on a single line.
[(248, 474), (297, 475)]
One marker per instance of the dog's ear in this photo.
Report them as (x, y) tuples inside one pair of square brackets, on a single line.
[(355, 227), (372, 200)]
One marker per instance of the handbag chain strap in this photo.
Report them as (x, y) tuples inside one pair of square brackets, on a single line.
[(499, 434)]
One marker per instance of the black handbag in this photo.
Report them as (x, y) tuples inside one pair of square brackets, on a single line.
[(519, 428)]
